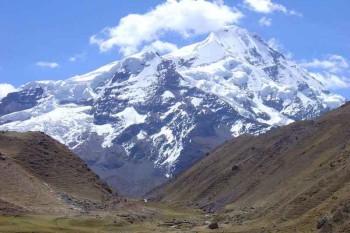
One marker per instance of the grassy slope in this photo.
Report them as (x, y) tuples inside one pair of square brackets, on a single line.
[(36, 170), (289, 178)]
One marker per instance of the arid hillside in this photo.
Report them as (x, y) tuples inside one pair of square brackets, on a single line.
[(287, 180), (39, 175)]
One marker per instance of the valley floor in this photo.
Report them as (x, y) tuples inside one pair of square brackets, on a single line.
[(138, 216), (135, 216)]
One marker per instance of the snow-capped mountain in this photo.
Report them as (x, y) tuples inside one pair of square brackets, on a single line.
[(147, 117)]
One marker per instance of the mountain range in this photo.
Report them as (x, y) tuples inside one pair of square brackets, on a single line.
[(139, 121)]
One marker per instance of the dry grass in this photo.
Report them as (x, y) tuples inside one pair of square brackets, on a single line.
[(57, 224), (136, 217), (36, 170), (285, 180)]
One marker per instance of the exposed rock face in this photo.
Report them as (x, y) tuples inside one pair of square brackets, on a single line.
[(19, 101), (147, 117)]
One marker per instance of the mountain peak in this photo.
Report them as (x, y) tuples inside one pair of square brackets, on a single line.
[(230, 41), (229, 31), (240, 43), (161, 112)]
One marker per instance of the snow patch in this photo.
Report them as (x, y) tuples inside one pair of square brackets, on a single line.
[(130, 117), (107, 131), (167, 95), (141, 135), (196, 101)]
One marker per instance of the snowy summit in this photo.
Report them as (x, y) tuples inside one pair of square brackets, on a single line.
[(147, 117)]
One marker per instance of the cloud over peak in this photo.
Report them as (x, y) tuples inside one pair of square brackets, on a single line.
[(332, 71), (160, 46), (5, 89), (187, 18), (333, 63), (332, 81)]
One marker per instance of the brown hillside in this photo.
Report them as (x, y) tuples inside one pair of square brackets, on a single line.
[(40, 175), (286, 180)]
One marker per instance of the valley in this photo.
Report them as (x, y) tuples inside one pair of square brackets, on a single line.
[(174, 116), (293, 179)]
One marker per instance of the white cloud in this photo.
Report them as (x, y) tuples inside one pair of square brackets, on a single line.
[(187, 18), (264, 21), (45, 64), (6, 88), (77, 57), (332, 81), (275, 44), (267, 7), (332, 63), (332, 71), (293, 12), (160, 46)]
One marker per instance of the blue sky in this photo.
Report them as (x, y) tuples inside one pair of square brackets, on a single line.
[(58, 39)]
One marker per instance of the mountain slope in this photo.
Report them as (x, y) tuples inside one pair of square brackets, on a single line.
[(145, 118), (40, 175), (290, 177)]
